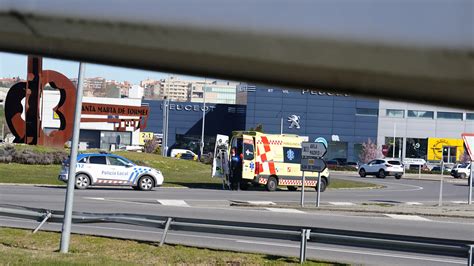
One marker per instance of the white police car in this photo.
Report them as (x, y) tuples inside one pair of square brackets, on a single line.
[(111, 170)]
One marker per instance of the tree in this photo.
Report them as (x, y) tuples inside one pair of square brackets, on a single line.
[(259, 128), (465, 158), (369, 152)]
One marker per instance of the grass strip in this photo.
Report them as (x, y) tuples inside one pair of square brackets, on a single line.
[(21, 247)]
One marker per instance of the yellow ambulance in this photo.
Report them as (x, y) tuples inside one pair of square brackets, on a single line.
[(272, 160)]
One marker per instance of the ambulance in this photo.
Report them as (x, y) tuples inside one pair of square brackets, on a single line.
[(272, 160)]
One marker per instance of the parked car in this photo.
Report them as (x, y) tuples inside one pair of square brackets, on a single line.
[(111, 170), (332, 163), (461, 171), (447, 170), (353, 164), (340, 161), (187, 156), (382, 168), (175, 152)]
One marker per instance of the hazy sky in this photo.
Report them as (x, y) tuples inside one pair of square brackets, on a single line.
[(13, 65)]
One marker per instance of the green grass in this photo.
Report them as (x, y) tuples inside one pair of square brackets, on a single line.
[(21, 247), (29, 174), (341, 183)]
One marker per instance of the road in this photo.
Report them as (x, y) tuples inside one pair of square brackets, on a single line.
[(214, 204)]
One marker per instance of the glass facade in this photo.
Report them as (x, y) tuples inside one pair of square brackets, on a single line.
[(449, 115), (337, 149), (421, 114), (469, 116), (357, 152), (417, 148), (398, 147), (367, 111), (107, 138), (395, 113)]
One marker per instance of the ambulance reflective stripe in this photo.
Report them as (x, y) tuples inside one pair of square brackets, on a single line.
[(293, 182), (264, 164), (266, 144), (262, 180)]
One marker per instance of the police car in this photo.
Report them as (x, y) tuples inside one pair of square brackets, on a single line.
[(111, 170)]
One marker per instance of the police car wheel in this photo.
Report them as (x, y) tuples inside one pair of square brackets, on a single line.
[(146, 183), (82, 181), (272, 184)]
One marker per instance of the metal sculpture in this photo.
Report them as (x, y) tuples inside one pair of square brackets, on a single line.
[(29, 129)]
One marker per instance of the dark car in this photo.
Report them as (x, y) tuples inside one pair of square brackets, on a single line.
[(340, 161), (332, 163), (447, 170), (353, 164)]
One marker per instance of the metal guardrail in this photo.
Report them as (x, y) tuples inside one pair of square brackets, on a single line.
[(413, 244)]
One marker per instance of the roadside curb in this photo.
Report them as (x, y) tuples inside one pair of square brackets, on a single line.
[(374, 210)]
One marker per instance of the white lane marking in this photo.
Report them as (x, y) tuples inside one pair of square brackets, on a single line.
[(341, 203), (415, 188), (413, 203), (252, 210), (355, 252), (407, 217), (459, 202), (284, 210), (92, 198), (261, 202), (179, 203)]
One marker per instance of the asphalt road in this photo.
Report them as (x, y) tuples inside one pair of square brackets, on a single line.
[(214, 204)]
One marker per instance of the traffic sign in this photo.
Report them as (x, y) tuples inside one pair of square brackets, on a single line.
[(313, 149), (469, 142), (414, 161), (312, 165)]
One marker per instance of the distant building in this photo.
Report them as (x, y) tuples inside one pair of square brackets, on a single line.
[(93, 86), (215, 92), (151, 88), (174, 89), (136, 92)]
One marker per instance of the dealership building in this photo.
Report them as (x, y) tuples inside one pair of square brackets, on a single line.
[(400, 129), (421, 131)]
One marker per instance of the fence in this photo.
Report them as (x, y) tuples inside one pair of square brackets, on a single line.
[(413, 244)]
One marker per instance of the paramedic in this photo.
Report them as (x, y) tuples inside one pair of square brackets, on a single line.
[(236, 170)]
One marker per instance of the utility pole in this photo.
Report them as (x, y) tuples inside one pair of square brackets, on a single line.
[(281, 125), (164, 139), (66, 230), (203, 120), (394, 142)]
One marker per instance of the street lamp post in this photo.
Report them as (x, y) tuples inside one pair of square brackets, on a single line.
[(203, 121)]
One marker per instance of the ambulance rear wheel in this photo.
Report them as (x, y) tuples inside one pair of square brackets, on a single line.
[(272, 183), (324, 184), (292, 188)]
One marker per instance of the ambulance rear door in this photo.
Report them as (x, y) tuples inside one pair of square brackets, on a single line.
[(248, 161)]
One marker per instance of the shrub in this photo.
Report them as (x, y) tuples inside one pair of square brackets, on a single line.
[(152, 146), (8, 154)]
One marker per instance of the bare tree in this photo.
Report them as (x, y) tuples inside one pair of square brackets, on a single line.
[(369, 152), (465, 158)]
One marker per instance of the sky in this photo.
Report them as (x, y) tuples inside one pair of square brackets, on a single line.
[(14, 65)]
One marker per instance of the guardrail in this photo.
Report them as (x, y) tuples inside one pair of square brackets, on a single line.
[(413, 244)]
